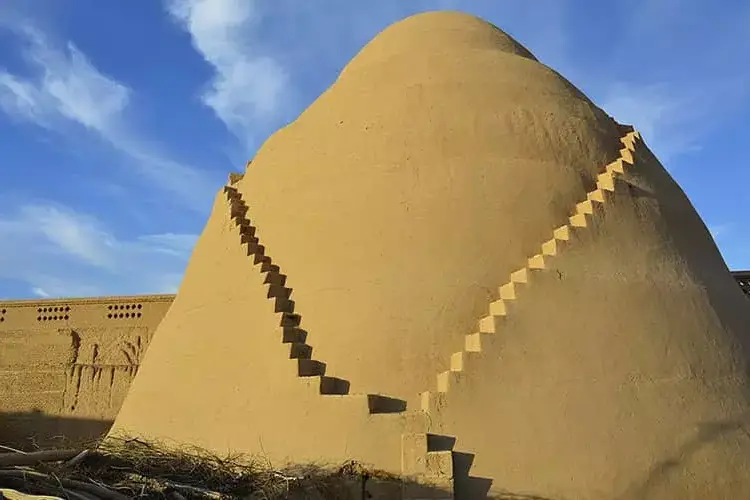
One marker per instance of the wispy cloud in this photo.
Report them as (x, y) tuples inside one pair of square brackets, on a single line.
[(64, 87), (247, 85), (667, 117), (57, 251), (675, 86)]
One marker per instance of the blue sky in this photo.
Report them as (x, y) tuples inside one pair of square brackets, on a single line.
[(119, 120)]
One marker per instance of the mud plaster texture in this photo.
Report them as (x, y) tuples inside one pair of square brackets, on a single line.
[(454, 266), (65, 365)]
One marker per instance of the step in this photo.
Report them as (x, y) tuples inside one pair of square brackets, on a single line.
[(334, 385), (596, 195), (327, 386), (473, 341), (290, 319), (378, 404), (562, 233), (282, 305), (310, 368), (239, 220), (488, 324), (422, 443), (238, 209), (553, 247), (278, 291), (259, 254), (266, 264), (579, 221), (300, 350), (427, 455), (245, 227), (510, 291), (590, 207), (626, 155), (440, 442), (585, 207), (605, 181), (235, 177), (447, 379), (537, 262), (616, 167), (459, 360), (292, 334), (252, 245), (629, 139), (249, 238), (275, 278), (498, 308)]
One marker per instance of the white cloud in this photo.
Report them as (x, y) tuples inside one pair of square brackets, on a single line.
[(659, 112), (21, 99), (673, 84), (247, 85), (675, 118), (71, 233), (65, 87), (57, 251)]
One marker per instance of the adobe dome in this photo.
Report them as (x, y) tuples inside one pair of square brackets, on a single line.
[(461, 230), (449, 159)]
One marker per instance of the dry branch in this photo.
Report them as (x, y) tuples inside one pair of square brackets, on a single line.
[(20, 458)]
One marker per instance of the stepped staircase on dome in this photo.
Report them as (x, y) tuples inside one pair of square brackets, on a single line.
[(509, 292), (425, 457)]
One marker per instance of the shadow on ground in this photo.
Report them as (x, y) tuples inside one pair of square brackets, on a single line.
[(28, 431)]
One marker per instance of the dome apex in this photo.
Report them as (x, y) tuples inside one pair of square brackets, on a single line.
[(437, 32)]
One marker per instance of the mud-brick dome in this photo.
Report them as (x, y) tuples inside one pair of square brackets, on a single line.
[(464, 231), (404, 194)]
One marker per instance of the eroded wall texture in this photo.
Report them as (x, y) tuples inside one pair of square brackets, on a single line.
[(66, 364)]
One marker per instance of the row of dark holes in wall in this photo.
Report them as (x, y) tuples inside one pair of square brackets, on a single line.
[(44, 316), (53, 318), (126, 307), (124, 315), (66, 309), (53, 309), (110, 316)]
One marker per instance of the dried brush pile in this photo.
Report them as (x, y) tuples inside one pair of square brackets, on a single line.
[(124, 469)]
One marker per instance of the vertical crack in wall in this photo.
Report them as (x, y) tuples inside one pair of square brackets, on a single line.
[(75, 347), (111, 384), (78, 374)]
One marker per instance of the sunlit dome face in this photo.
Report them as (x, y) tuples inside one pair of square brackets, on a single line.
[(402, 207), (436, 32)]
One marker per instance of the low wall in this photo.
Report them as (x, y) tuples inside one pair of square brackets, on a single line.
[(71, 360)]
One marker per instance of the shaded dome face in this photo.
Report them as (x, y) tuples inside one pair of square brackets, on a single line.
[(436, 32)]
